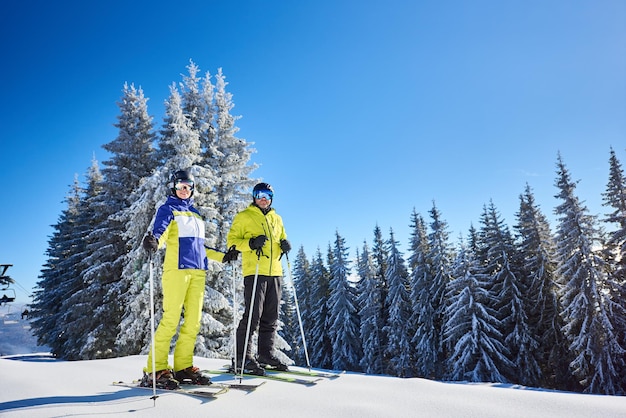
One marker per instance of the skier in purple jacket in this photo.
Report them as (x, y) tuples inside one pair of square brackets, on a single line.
[(179, 227)]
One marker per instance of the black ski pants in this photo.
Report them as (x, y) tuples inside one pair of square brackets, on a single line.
[(265, 311)]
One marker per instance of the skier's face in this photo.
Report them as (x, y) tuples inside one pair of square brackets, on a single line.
[(184, 189), (263, 202)]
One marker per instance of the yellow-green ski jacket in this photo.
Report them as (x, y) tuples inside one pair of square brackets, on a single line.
[(250, 223)]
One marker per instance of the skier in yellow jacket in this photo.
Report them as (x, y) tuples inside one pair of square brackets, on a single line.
[(258, 233)]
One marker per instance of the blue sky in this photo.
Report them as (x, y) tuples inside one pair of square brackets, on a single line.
[(360, 111)]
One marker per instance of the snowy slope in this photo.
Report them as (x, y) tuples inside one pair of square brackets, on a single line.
[(38, 386), (15, 336)]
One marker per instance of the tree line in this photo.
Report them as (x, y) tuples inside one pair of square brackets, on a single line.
[(523, 305)]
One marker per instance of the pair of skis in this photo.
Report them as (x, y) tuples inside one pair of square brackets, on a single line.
[(302, 377), (215, 389), (203, 391)]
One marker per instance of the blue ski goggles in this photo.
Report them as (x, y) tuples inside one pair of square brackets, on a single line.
[(263, 194)]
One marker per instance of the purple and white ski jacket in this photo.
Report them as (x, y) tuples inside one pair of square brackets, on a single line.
[(180, 228)]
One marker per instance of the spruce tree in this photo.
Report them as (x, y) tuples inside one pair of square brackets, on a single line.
[(303, 283), (289, 330), (195, 105), (230, 161), (582, 271), (471, 327), (430, 333), (58, 276), (78, 307), (537, 251), (343, 317), (132, 160), (503, 289), (380, 256), (615, 198), (321, 350), (398, 348), (420, 279), (370, 303)]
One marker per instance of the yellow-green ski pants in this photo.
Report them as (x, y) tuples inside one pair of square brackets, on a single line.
[(181, 288)]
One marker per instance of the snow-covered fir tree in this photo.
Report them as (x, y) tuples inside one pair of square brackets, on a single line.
[(398, 348), (592, 337), (509, 292), (318, 316), (471, 327), (537, 252), (419, 282), (195, 105), (230, 159), (431, 304), (615, 198), (303, 291), (289, 330), (58, 276), (343, 318), (132, 159), (504, 297), (380, 257), (78, 307), (370, 304)]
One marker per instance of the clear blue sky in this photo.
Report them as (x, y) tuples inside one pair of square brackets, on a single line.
[(360, 110)]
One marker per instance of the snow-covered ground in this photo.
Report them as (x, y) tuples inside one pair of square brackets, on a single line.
[(35, 385)]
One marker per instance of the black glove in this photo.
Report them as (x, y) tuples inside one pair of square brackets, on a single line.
[(285, 246), (150, 243), (231, 255), (257, 243)]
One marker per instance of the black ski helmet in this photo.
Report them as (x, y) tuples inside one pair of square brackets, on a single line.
[(262, 186), (180, 175)]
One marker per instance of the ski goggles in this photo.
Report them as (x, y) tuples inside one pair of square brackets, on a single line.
[(263, 194), (184, 185)]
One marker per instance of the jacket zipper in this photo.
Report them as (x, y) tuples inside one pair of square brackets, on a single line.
[(269, 235)]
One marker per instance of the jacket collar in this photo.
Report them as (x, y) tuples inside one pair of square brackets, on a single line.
[(174, 200), (264, 212)]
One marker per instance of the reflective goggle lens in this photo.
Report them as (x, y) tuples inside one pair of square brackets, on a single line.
[(263, 194), (184, 185)]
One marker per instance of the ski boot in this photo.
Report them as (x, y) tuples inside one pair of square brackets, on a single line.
[(164, 380), (192, 375), (273, 363), (251, 367)]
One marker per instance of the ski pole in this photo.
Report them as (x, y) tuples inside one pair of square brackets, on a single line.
[(150, 268), (295, 299), (245, 346), (234, 290)]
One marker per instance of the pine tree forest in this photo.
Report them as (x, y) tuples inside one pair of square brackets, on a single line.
[(528, 304)]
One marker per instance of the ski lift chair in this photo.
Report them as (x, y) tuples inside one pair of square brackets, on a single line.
[(5, 282), (7, 298)]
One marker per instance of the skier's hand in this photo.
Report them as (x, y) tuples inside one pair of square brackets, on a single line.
[(285, 246), (150, 243), (231, 255), (256, 243)]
